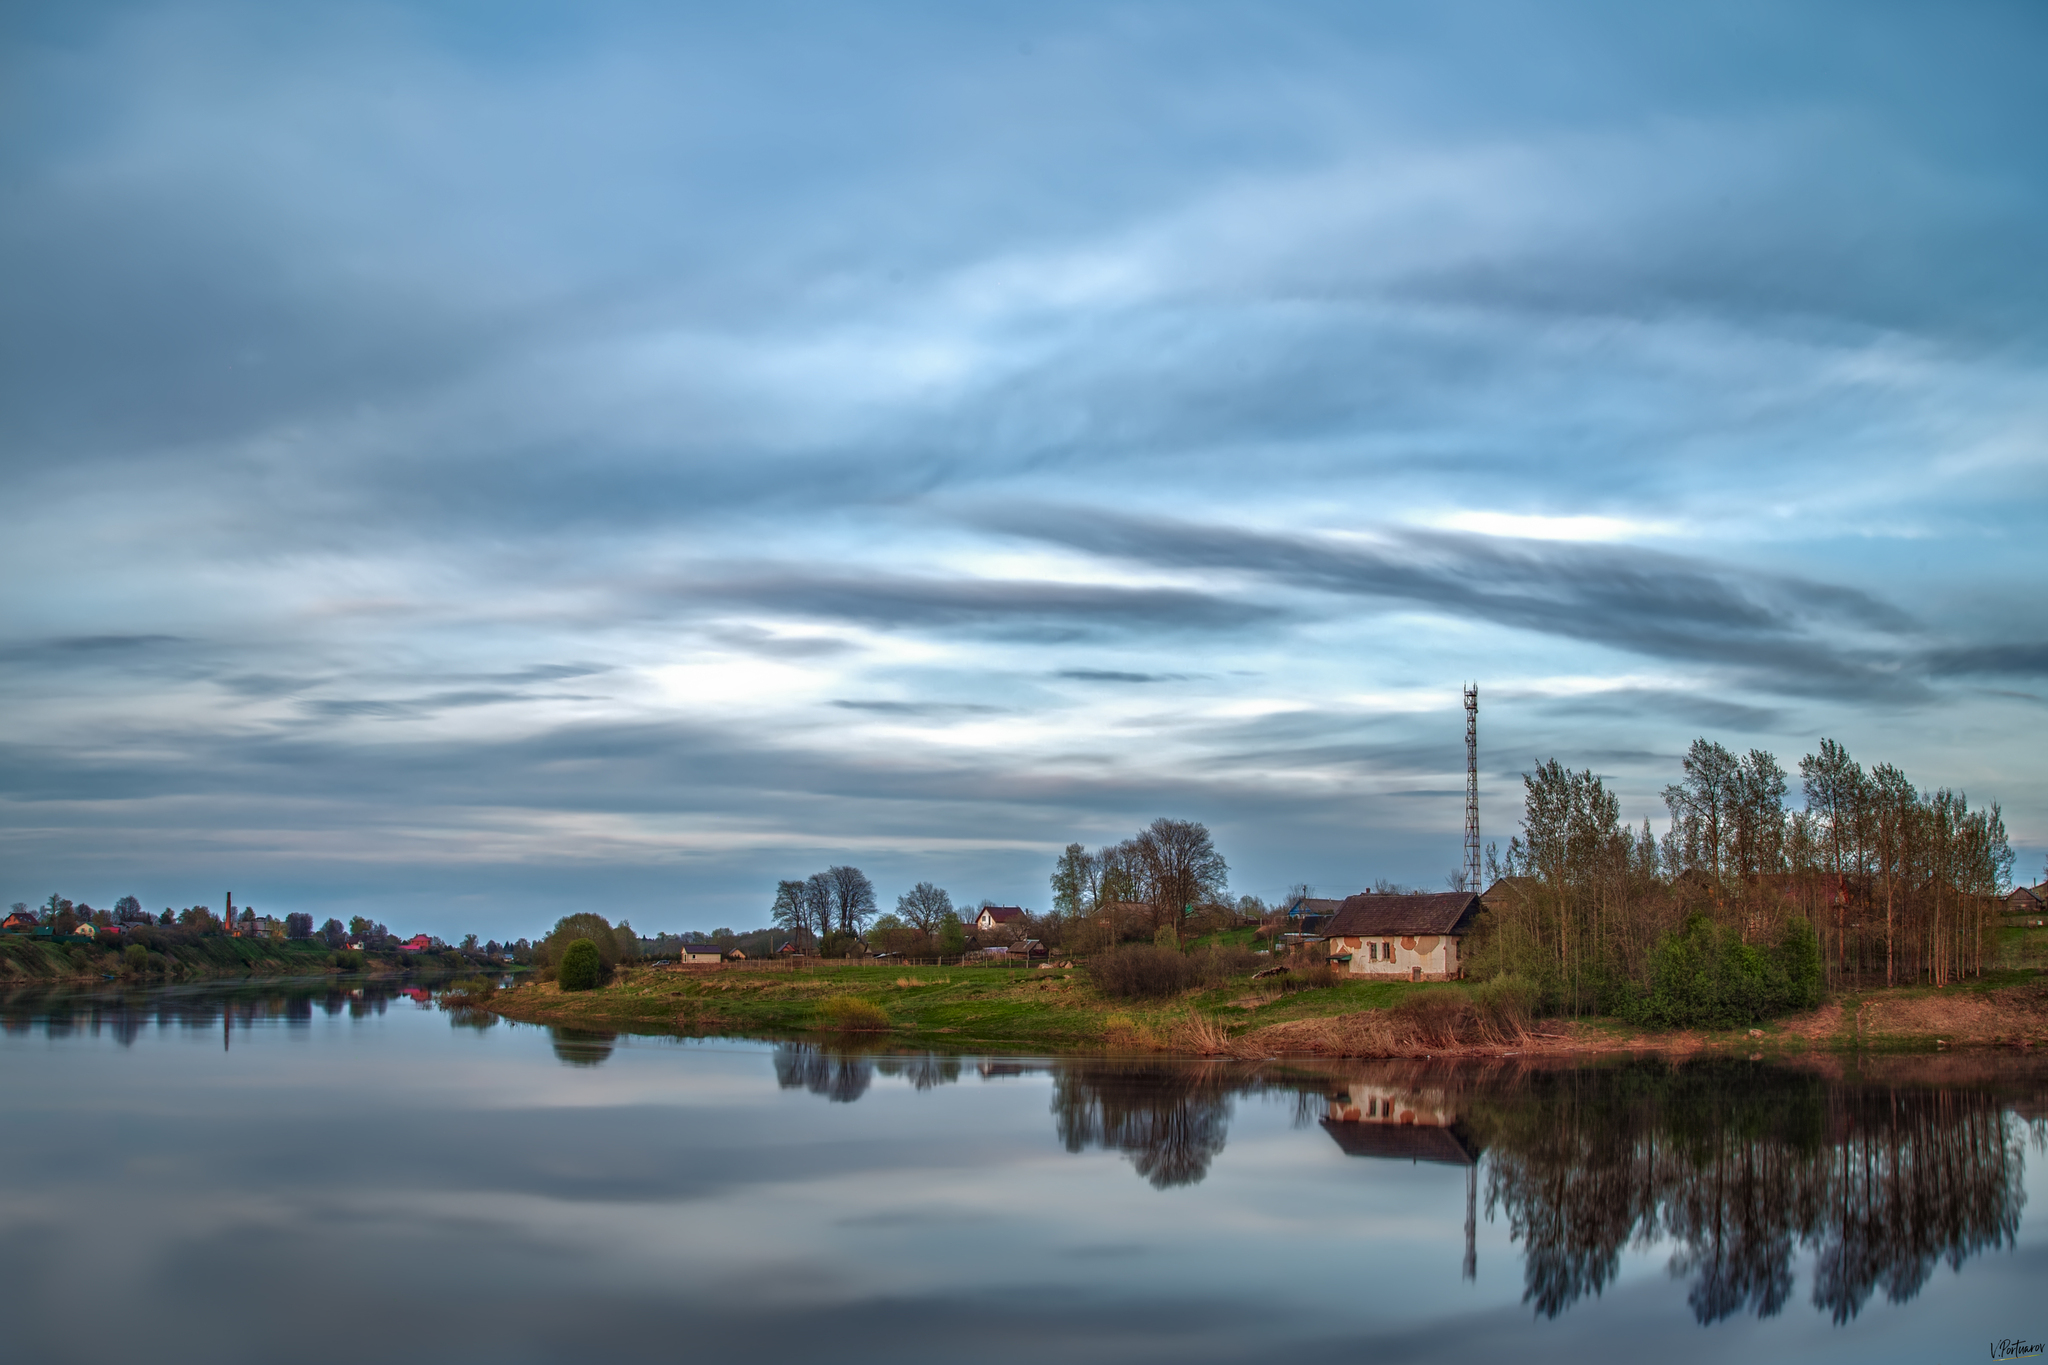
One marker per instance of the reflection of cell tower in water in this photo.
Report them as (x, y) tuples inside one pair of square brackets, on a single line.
[(1472, 788)]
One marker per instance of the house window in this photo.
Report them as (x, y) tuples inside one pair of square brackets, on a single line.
[(1387, 951)]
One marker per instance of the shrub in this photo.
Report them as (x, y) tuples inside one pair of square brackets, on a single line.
[(1706, 977), (1312, 976), (1219, 964), (581, 966), (135, 958), (850, 1014), (1506, 1004), (349, 960), (1440, 1018), (1139, 970)]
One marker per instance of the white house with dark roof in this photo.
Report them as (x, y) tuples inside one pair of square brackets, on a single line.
[(1401, 937), (994, 917), (701, 955)]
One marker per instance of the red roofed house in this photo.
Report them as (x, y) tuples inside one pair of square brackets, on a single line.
[(1410, 938), (998, 916), (418, 943)]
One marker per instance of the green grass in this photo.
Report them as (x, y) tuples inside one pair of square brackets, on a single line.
[(938, 1005), (964, 1008), (1048, 1010)]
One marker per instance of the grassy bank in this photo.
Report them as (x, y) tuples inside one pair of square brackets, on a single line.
[(956, 1008)]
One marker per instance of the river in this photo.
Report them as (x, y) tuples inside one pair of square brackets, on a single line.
[(320, 1171)]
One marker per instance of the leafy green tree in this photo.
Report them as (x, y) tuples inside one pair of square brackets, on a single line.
[(1073, 881), (582, 965), (583, 925)]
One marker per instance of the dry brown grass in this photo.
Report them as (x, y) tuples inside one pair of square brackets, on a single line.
[(2008, 1015)]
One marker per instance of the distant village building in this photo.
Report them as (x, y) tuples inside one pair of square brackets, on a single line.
[(701, 955), (2024, 900), (1305, 918), (1401, 937), (993, 917)]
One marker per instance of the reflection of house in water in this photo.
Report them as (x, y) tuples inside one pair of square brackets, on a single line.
[(1389, 1122)]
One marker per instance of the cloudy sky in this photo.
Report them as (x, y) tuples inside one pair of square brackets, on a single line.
[(469, 462)]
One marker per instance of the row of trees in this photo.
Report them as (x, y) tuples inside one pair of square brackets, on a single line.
[(1168, 870), (836, 902), (1898, 884)]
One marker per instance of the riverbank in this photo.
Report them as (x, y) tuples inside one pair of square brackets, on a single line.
[(1041, 1010), (195, 957)]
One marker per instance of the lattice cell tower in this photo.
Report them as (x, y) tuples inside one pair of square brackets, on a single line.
[(1472, 788)]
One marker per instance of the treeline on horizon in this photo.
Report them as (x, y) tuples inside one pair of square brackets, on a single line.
[(1874, 882), (1157, 879), (63, 915)]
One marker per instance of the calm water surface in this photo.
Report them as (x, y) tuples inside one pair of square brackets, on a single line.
[(314, 1173)]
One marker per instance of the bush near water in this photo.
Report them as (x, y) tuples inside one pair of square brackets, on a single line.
[(582, 966)]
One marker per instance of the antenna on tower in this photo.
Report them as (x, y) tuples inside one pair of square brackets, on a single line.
[(1472, 788)]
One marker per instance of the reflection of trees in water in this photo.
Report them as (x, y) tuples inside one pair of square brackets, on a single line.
[(1170, 1120), (840, 1077), (1742, 1167), (124, 1011), (924, 1071), (582, 1046)]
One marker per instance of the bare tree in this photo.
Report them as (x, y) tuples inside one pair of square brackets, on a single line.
[(853, 898), (924, 906), (818, 900), (1181, 866), (792, 911)]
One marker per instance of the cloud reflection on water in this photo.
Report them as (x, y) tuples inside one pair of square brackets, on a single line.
[(346, 1147)]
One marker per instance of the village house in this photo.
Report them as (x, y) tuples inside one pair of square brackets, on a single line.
[(701, 955), (2024, 900), (993, 917), (20, 922), (1401, 937), (1305, 917)]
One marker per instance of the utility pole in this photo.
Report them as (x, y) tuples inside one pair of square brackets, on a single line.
[(1472, 789)]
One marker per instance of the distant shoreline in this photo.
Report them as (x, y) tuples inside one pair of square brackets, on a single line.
[(30, 961)]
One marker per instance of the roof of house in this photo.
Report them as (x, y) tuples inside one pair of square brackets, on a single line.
[(1001, 914), (700, 949), (1405, 1141), (1377, 913), (1309, 905), (2024, 894)]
